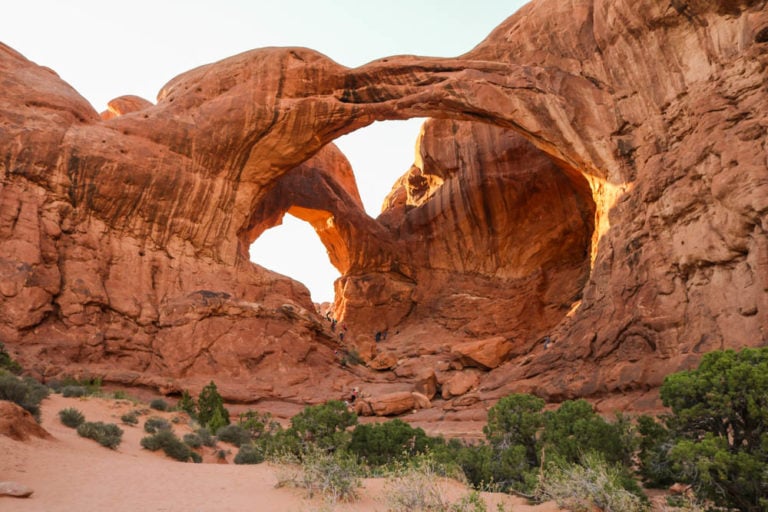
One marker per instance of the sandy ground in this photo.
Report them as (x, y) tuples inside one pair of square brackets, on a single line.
[(70, 473)]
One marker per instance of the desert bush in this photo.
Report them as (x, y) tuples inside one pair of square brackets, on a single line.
[(421, 484), (655, 443), (130, 418), (258, 424), (154, 424), (91, 386), (574, 429), (26, 392), (211, 412), (334, 476), (6, 361), (323, 426), (158, 404), (513, 457), (592, 484), (170, 444), (106, 434), (234, 434), (205, 437), (718, 426), (249, 454), (71, 391), (474, 461), (192, 440), (351, 358), (521, 438), (384, 443), (71, 417)]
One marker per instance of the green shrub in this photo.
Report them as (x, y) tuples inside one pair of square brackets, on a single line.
[(155, 424), (323, 426), (521, 438), (574, 429), (158, 404), (249, 454), (205, 437), (25, 392), (170, 444), (513, 459), (593, 484), (384, 443), (71, 417), (233, 434), (211, 412), (655, 443), (7, 362), (106, 434), (258, 424), (187, 404), (192, 440), (90, 386), (130, 418), (351, 358), (719, 427), (73, 391), (474, 461)]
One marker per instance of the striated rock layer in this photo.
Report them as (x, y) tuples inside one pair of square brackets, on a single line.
[(587, 212)]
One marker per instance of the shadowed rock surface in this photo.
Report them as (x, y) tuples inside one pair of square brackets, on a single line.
[(587, 213)]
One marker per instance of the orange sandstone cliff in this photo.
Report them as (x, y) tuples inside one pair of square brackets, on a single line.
[(586, 213)]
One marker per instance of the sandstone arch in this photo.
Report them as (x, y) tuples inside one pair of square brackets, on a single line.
[(672, 147)]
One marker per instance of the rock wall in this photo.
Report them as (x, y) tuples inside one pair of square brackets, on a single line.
[(613, 202)]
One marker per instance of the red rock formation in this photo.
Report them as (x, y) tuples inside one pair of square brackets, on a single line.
[(614, 200), (19, 424)]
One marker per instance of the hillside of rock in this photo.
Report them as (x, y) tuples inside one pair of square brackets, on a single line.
[(587, 213)]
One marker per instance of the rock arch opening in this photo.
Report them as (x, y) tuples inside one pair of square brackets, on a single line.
[(292, 248), (483, 221)]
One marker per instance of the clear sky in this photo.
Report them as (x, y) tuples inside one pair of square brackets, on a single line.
[(105, 49)]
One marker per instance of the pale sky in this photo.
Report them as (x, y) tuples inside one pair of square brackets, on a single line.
[(106, 49)]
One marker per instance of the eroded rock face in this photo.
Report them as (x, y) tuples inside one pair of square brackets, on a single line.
[(613, 202), (18, 424)]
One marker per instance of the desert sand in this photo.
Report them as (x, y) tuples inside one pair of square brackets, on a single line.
[(70, 473)]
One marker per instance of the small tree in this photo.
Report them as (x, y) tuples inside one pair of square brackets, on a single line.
[(324, 426), (515, 420), (211, 411), (387, 442), (720, 425), (575, 429), (7, 362), (187, 404)]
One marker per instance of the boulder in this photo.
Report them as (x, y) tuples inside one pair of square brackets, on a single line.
[(392, 404), (383, 361), (487, 353), (426, 383), (459, 383), (15, 489)]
